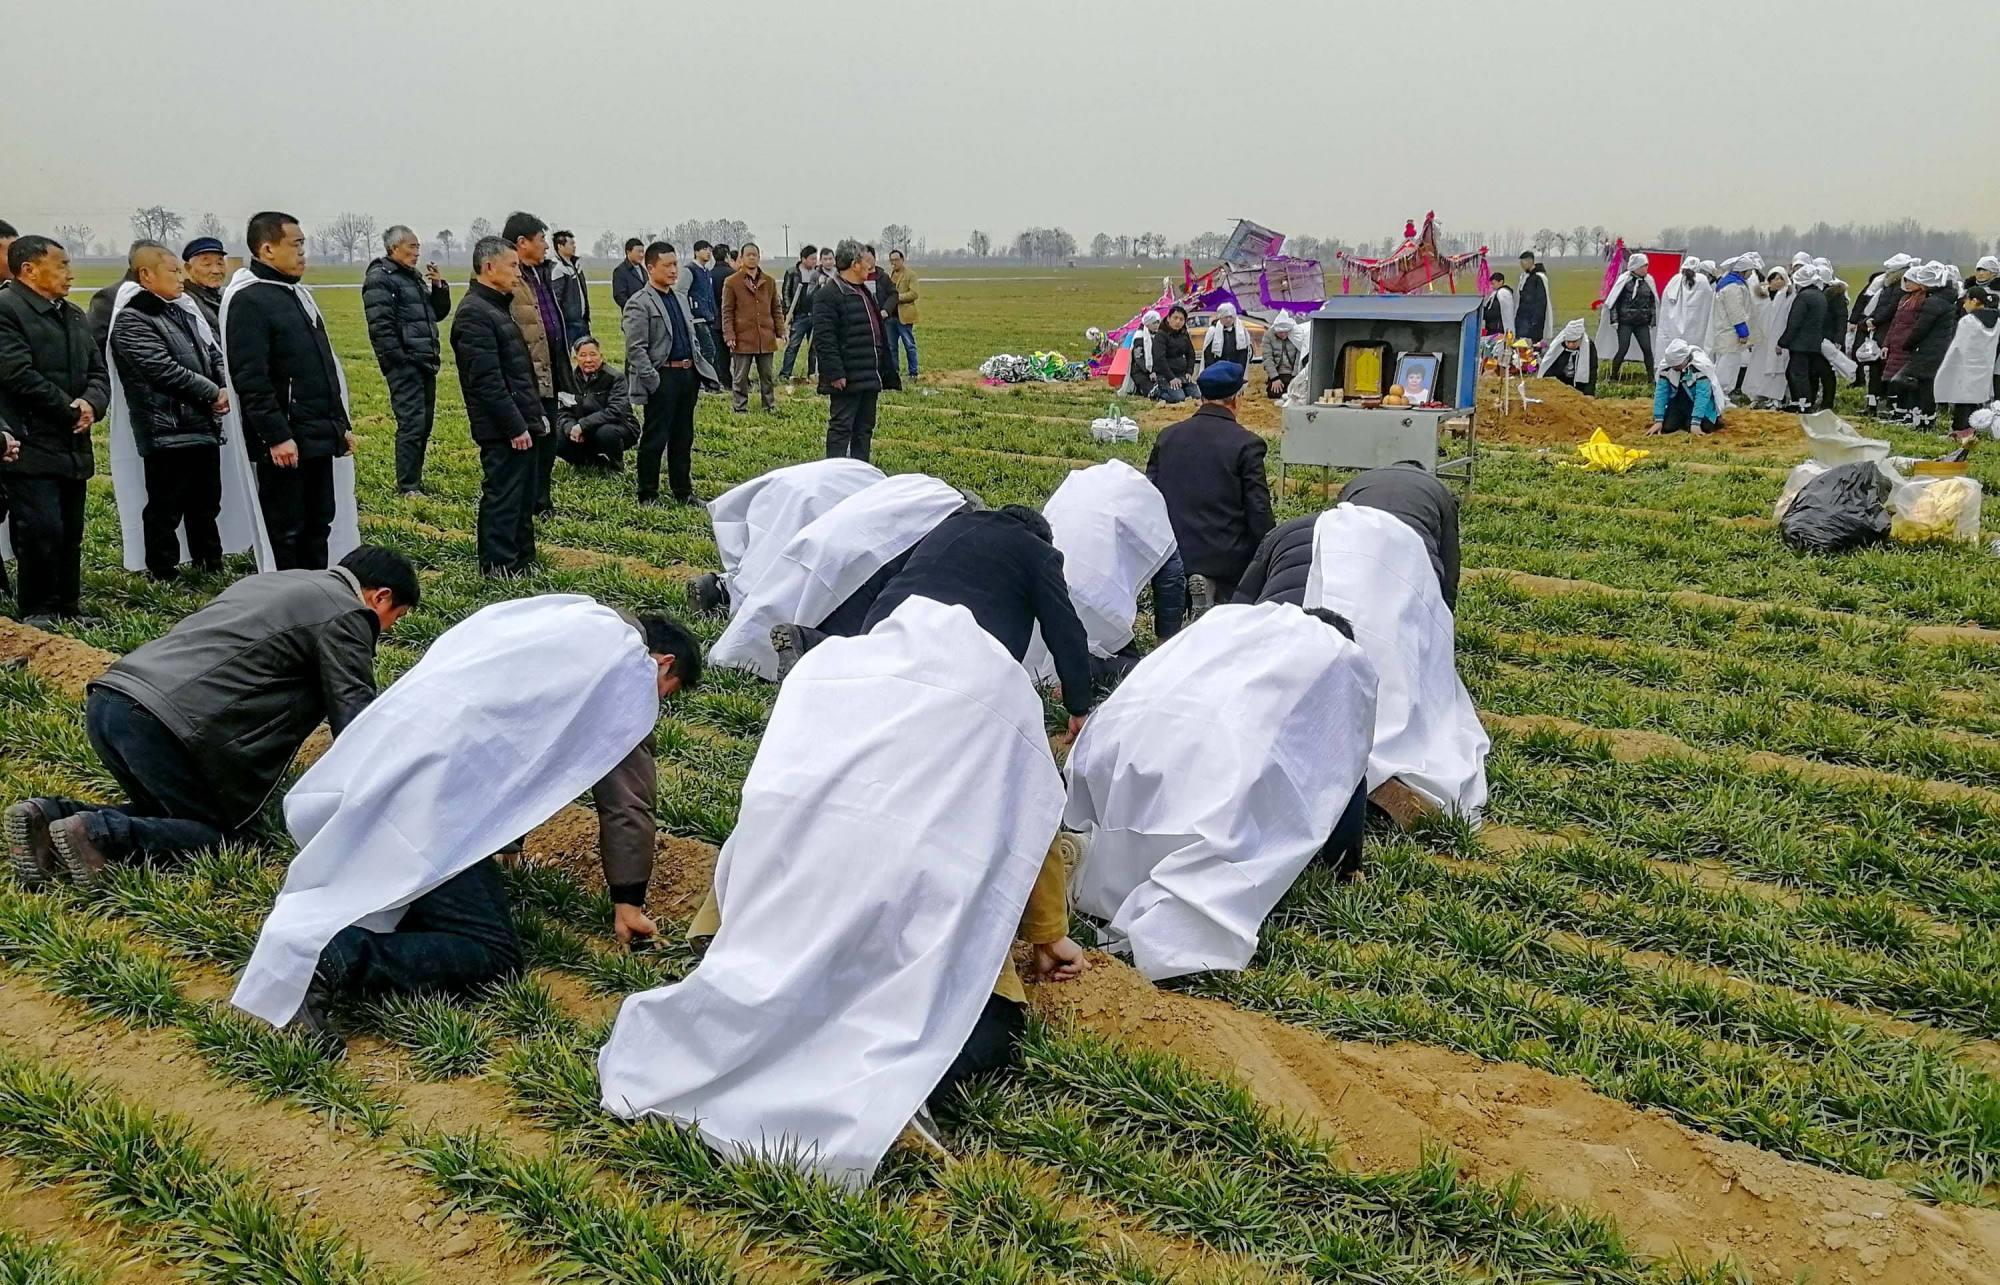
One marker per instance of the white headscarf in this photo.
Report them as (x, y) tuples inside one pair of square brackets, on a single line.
[(1988, 263), (1225, 320), (1152, 319), (1930, 275), (1750, 259), (1897, 262), (1677, 354), (1574, 330), (1284, 325), (1708, 266), (1636, 264), (1800, 259)]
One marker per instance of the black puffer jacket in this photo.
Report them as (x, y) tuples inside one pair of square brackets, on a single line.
[(1173, 355), (851, 340), (283, 369), (495, 373), (603, 402), (171, 378), (1637, 305), (48, 360), (1805, 326), (1278, 570), (403, 313)]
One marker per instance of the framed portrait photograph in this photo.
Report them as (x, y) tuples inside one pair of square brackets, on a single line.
[(1417, 376)]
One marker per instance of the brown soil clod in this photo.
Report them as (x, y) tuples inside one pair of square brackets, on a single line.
[(1404, 805), (63, 663)]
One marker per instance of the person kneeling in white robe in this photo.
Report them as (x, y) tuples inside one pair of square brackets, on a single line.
[(1211, 778), (864, 906), (507, 718), (754, 520), (1110, 524)]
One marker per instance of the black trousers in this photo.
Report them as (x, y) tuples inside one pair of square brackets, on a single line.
[(1626, 334), (993, 1045), (506, 507), (850, 425), (413, 398), (1342, 850), (1679, 416), (173, 809), (6, 585), (298, 510), (544, 453), (1806, 373), (602, 447), (670, 431), (183, 488), (45, 520), (457, 936)]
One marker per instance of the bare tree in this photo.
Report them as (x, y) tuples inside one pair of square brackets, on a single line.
[(606, 245), (212, 226), (322, 246), (894, 236), (351, 233), (1562, 242), (480, 229), (979, 244), (75, 236), (156, 223), (445, 240), (1579, 237), (1101, 246), (1542, 240)]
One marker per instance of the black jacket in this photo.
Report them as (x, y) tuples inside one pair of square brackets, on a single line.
[(1638, 305), (603, 402), (793, 296), (1805, 326), (1010, 579), (209, 300), (1278, 570), (572, 294), (100, 308), (403, 313), (171, 378), (495, 373), (1173, 355), (242, 682), (851, 340), (1142, 372), (48, 360), (1211, 471), (1937, 322), (1835, 331), (1423, 504), (626, 279), (886, 296), (1531, 306), (283, 370)]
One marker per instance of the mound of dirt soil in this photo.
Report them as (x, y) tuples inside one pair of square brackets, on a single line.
[(1670, 1188), (63, 663), (1561, 416)]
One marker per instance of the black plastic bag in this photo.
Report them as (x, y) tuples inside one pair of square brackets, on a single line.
[(1843, 508)]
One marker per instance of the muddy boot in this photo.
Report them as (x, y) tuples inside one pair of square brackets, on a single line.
[(1200, 595), (789, 641), (33, 856), (78, 853), (705, 593), (313, 1023)]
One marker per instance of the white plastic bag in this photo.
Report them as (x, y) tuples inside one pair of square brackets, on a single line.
[(1927, 510), (1834, 440), (1114, 428), (1842, 364), (1795, 481)]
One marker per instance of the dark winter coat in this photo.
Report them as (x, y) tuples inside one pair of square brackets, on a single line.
[(1210, 469), (572, 291), (1836, 315), (1805, 326), (495, 373), (1278, 570), (47, 361), (1420, 502), (1010, 579), (243, 681), (171, 377), (850, 339), (1173, 355), (283, 370), (209, 300), (1917, 360), (101, 305), (603, 401), (626, 279), (403, 312), (1531, 309), (1638, 304), (796, 293)]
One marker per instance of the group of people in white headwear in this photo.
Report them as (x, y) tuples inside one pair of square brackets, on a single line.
[(1925, 339), (1165, 363)]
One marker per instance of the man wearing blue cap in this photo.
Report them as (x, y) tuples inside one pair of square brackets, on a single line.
[(207, 267), (1211, 471)]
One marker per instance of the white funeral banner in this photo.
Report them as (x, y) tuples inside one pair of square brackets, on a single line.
[(893, 824), (509, 716), (1207, 782), (241, 521), (831, 558), (345, 537), (1374, 570), (755, 519), (1110, 523)]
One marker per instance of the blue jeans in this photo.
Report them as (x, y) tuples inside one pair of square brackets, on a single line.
[(458, 935), (1163, 392), (173, 811), (801, 336), (1169, 597), (904, 338)]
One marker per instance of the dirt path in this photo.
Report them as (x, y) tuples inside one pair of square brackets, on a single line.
[(344, 1181), (1671, 1189)]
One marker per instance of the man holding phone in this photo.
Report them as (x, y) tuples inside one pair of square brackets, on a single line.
[(403, 310)]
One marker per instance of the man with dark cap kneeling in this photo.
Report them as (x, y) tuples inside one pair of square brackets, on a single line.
[(1211, 471)]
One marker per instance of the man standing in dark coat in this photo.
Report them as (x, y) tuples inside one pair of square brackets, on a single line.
[(200, 725), (545, 330), (1210, 469), (291, 395), (1805, 329), (403, 308), (630, 273), (1531, 308), (53, 387), (572, 288), (851, 341), (503, 405)]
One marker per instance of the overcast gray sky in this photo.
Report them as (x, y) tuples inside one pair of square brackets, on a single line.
[(1115, 115)]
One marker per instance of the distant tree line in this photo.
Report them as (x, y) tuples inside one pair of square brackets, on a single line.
[(1842, 243)]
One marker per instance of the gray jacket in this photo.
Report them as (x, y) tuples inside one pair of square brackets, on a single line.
[(242, 682), (648, 332)]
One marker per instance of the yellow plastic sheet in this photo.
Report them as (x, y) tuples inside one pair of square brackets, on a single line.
[(1602, 455)]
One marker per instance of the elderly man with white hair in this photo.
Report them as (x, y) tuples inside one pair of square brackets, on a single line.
[(1631, 310), (403, 307), (1227, 339)]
